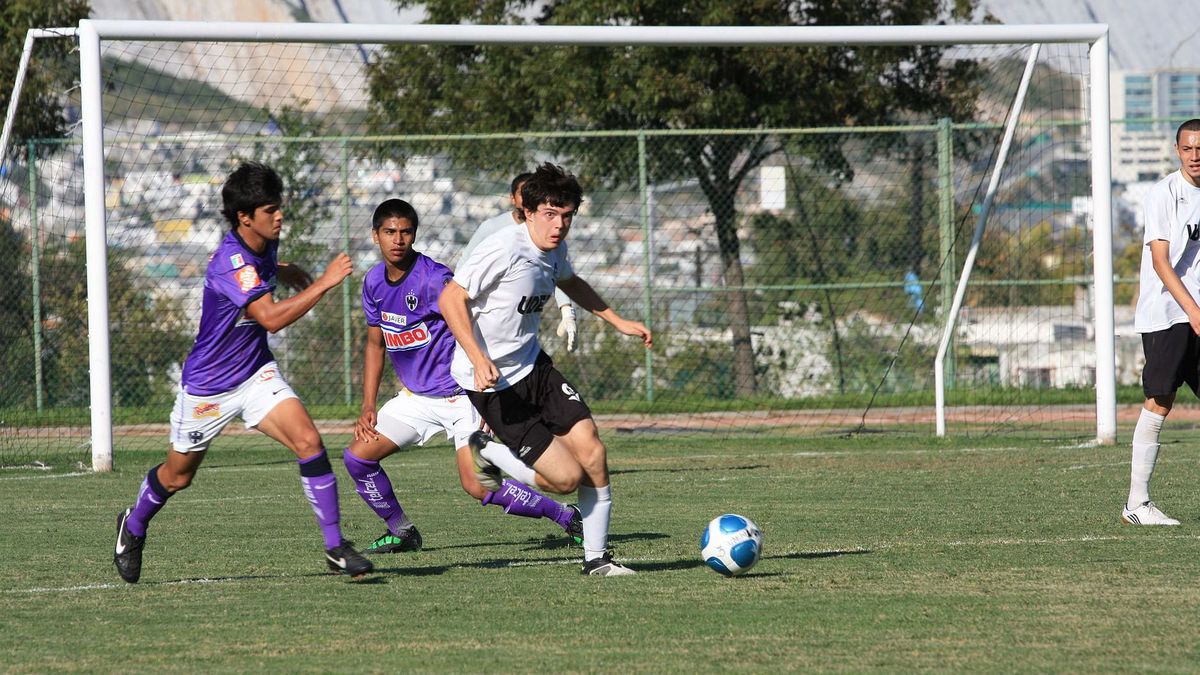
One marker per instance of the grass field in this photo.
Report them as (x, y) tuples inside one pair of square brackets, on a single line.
[(883, 552)]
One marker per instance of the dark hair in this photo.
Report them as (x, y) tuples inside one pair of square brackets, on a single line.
[(517, 180), (549, 184), (1190, 125), (250, 186), (393, 208)]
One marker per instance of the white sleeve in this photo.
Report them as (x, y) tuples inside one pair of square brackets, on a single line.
[(1157, 214), (484, 268)]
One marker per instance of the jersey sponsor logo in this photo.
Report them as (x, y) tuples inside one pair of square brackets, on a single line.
[(203, 410), (531, 304), (398, 319), (410, 301), (404, 340), (237, 260), (571, 393), (1193, 231), (247, 278)]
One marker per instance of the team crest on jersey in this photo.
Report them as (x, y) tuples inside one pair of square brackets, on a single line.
[(571, 393), (203, 410), (237, 260), (404, 340), (398, 319), (410, 301), (247, 278)]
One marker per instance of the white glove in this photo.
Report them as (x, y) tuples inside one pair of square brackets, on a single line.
[(567, 328)]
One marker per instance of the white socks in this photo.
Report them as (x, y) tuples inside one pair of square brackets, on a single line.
[(506, 461), (1145, 453), (595, 505)]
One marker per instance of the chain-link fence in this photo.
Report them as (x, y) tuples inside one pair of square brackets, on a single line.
[(793, 295)]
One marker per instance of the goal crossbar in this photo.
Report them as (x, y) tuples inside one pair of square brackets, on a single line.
[(91, 33)]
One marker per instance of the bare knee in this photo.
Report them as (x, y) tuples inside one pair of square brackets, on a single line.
[(174, 482), (1160, 405), (307, 443), (564, 484)]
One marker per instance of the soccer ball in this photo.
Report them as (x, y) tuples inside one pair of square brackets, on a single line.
[(731, 544)]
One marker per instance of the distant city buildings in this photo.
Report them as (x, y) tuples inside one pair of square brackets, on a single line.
[(1151, 103)]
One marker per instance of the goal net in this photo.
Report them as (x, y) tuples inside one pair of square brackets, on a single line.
[(797, 266)]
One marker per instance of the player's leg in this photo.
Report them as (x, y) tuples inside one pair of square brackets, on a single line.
[(375, 486), (595, 497), (482, 480), (516, 497), (568, 417), (288, 422), (1170, 361), (195, 422)]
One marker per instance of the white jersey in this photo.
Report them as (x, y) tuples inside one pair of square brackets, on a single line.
[(508, 281), (1172, 214), (491, 226)]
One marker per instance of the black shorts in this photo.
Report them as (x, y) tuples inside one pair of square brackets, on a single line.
[(528, 415), (1172, 359)]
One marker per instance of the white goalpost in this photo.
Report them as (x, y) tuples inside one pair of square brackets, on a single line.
[(92, 34)]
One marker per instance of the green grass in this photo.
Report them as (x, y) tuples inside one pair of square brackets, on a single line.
[(883, 553)]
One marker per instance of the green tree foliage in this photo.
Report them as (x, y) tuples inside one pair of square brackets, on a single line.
[(16, 332), (48, 78), (455, 89), (148, 334)]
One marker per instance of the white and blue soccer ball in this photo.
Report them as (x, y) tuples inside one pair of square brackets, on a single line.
[(731, 544)]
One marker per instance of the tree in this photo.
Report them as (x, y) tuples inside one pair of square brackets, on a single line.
[(455, 89), (40, 113)]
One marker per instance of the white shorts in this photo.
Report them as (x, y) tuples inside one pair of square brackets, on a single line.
[(197, 420), (427, 415)]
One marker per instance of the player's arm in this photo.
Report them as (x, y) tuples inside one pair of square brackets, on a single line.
[(373, 350), (582, 293), (293, 276), (275, 316), (453, 305), (1161, 259)]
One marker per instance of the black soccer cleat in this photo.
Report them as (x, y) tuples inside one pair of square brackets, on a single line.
[(127, 555), (575, 527), (344, 559), (408, 540)]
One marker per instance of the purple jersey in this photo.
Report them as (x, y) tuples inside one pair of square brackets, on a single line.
[(414, 332), (230, 346)]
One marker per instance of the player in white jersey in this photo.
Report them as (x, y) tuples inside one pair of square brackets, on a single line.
[(568, 327), (493, 307), (1167, 314)]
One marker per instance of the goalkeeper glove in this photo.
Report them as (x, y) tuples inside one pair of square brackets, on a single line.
[(567, 328)]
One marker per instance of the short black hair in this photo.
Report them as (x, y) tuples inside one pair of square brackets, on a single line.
[(393, 208), (1190, 125), (517, 180), (251, 185), (550, 184)]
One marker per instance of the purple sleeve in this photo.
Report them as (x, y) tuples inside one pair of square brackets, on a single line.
[(439, 276), (241, 286), (369, 305)]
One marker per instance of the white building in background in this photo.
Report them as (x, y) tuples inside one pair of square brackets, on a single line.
[(1143, 151)]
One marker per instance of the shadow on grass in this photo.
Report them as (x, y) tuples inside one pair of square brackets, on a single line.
[(743, 467)]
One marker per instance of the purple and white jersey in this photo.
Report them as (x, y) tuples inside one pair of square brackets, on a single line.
[(414, 332), (230, 346)]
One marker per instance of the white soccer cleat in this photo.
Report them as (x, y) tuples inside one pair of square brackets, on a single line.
[(1146, 514)]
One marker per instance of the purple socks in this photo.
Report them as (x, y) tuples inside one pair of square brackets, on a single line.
[(320, 487), (373, 486), (150, 500), (519, 499)]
